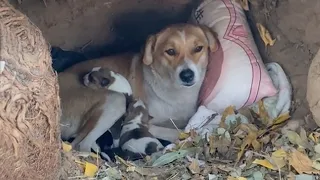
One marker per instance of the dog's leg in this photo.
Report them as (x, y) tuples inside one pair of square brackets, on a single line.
[(113, 109), (164, 133)]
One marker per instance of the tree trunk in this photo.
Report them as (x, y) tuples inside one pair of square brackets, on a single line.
[(29, 101)]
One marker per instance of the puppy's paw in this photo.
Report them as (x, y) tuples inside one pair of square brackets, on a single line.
[(169, 147)]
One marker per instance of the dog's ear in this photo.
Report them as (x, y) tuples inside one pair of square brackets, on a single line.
[(149, 48), (211, 37)]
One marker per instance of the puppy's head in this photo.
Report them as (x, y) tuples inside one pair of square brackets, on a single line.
[(179, 53), (103, 78), (137, 112)]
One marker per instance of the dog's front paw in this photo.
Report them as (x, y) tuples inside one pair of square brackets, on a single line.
[(200, 119)]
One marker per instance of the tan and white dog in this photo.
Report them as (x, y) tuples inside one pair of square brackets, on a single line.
[(167, 77)]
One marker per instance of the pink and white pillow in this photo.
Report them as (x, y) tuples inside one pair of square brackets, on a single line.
[(236, 74)]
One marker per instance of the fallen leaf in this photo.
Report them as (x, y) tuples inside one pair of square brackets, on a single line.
[(211, 145), (293, 137), (194, 167), (264, 163), (263, 114), (170, 157), (317, 148), (314, 136), (279, 158), (316, 164), (257, 175), (301, 163), (66, 147), (131, 169), (113, 173), (90, 169), (305, 177), (223, 145), (213, 177), (265, 35), (183, 135), (244, 4), (236, 178), (280, 119), (228, 111), (249, 139)]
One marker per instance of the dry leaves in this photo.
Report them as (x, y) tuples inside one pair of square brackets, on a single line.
[(301, 163), (66, 147), (265, 35)]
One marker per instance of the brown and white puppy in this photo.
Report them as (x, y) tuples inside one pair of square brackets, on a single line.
[(84, 109), (135, 139), (99, 78), (167, 76)]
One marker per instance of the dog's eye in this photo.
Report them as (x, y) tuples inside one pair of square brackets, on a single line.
[(104, 82), (198, 49), (171, 52)]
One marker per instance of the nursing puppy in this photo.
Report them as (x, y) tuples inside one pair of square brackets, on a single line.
[(167, 76), (104, 78), (135, 139), (84, 109)]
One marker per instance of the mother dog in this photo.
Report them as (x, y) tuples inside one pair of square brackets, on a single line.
[(167, 76)]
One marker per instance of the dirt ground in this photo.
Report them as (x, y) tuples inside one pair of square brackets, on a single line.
[(94, 25), (295, 25)]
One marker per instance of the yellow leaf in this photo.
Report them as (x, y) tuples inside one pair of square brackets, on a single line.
[(244, 4), (279, 158), (256, 145), (280, 119), (241, 178), (265, 35), (249, 139), (314, 136), (279, 153), (66, 147), (228, 111), (183, 135), (301, 163), (316, 164), (94, 155), (264, 163), (263, 114), (194, 167), (90, 169)]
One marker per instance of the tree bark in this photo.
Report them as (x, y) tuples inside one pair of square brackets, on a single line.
[(29, 101)]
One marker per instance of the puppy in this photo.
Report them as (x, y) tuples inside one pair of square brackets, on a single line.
[(135, 139), (167, 76), (84, 109), (104, 78)]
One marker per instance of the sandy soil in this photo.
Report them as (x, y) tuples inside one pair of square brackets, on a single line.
[(93, 25), (295, 25)]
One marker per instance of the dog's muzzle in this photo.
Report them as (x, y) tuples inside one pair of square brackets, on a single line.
[(187, 77)]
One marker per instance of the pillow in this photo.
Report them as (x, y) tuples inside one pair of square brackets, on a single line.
[(236, 74)]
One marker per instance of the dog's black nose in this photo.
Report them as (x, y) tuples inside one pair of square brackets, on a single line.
[(187, 76)]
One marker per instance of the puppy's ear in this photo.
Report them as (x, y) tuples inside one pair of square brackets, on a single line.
[(211, 37), (149, 48)]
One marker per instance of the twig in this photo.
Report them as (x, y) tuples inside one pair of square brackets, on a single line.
[(175, 126)]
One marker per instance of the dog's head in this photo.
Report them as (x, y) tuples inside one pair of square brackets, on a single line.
[(179, 53), (103, 78)]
